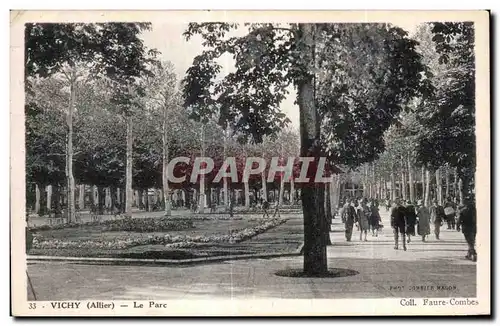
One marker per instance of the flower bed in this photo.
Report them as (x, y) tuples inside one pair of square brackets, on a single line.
[(149, 224), (168, 240), (205, 217)]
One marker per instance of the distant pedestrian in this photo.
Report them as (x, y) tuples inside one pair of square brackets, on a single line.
[(411, 220), (423, 216), (398, 223), (349, 217), (363, 218), (467, 223), (449, 212), (437, 217), (374, 218)]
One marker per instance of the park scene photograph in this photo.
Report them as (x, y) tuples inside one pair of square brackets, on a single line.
[(221, 160)]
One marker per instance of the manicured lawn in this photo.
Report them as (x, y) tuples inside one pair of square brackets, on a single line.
[(284, 238)]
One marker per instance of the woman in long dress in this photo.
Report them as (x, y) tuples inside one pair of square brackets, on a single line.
[(363, 217), (374, 218), (424, 217)]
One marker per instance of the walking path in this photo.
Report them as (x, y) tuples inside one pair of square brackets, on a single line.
[(439, 266)]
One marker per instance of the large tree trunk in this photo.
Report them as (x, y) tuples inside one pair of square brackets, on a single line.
[(128, 173), (315, 259), (292, 191), (69, 151), (427, 187), (410, 180), (439, 187), (165, 142)]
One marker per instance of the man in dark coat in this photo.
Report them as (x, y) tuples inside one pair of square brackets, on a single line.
[(437, 217), (411, 220), (467, 221), (349, 216), (398, 223)]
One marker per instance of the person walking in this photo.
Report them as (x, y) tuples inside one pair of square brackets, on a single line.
[(411, 220), (398, 223), (437, 217), (467, 221), (363, 217), (423, 216), (349, 216), (449, 212), (374, 218)]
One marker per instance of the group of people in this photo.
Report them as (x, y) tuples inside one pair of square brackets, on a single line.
[(408, 219), (364, 214)]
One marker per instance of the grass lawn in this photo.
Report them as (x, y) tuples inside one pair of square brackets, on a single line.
[(284, 238)]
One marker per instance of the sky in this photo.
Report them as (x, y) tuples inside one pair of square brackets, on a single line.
[(168, 39)]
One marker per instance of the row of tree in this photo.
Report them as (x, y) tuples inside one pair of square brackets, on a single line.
[(354, 84)]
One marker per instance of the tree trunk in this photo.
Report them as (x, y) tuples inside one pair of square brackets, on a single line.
[(456, 188), (69, 151), (393, 184), (113, 198), (48, 199), (81, 197), (225, 181), (447, 181), (439, 187), (247, 194), (146, 199), (315, 259), (282, 190), (461, 192), (292, 191), (101, 197), (403, 185), (427, 187), (44, 204), (423, 183), (140, 199), (328, 213), (92, 198), (203, 200), (264, 186), (165, 158), (410, 180), (209, 197), (37, 199), (56, 202), (128, 173)]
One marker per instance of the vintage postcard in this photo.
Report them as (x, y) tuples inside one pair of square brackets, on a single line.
[(238, 163)]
